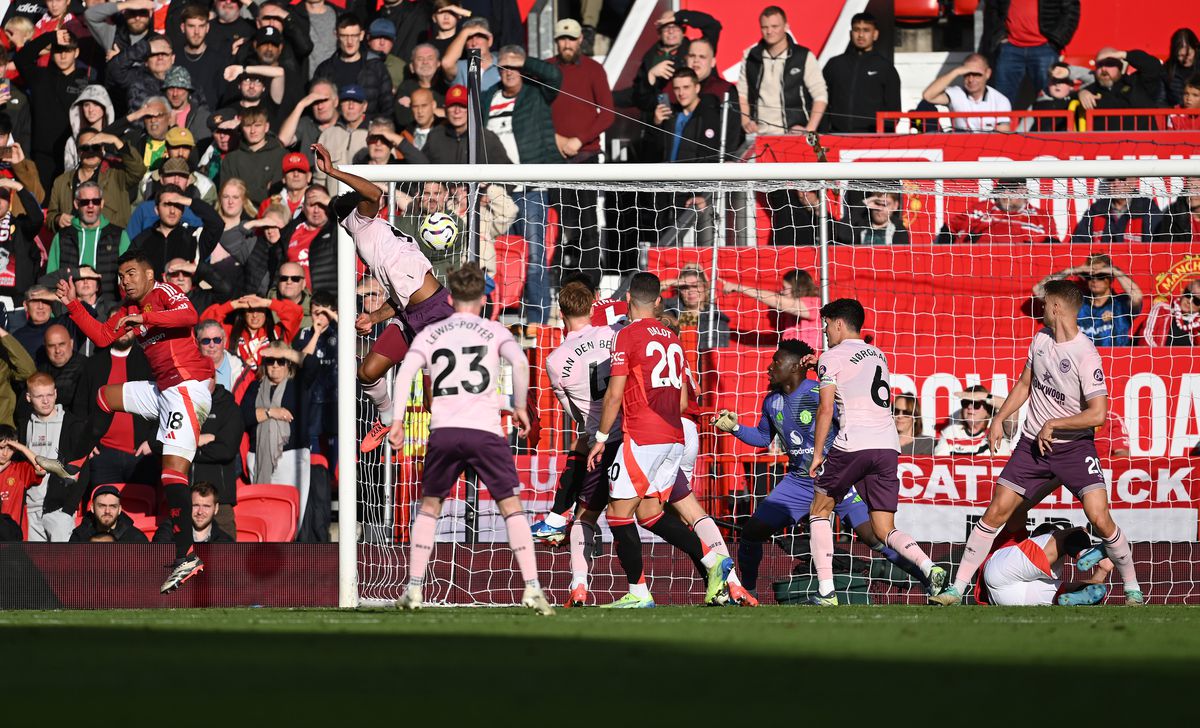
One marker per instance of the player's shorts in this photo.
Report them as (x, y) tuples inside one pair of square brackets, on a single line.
[(451, 450), (790, 502), (393, 341), (875, 472), (180, 411), (1075, 463), (1013, 580), (593, 494), (691, 449), (644, 471)]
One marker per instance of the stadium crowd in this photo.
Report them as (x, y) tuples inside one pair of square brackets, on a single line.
[(184, 130)]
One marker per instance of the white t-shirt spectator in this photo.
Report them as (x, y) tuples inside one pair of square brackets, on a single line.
[(500, 118), (992, 101)]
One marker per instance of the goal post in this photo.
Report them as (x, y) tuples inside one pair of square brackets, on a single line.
[(932, 308)]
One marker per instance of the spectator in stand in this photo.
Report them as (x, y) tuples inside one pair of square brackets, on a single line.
[(318, 341), (669, 55), (975, 95), (1115, 89), (174, 172), (258, 160), (1118, 216), (1180, 65), (780, 89), (230, 29), (693, 307), (1181, 222), (354, 65), (582, 112), (447, 143), (297, 177), (59, 359), (258, 87), (795, 310), (386, 146), (474, 34), (210, 336), (51, 432), (204, 512), (1058, 95), (504, 16), (412, 21), (18, 168), (861, 82), (311, 247), (1005, 219), (188, 277), (39, 316), (968, 429), (195, 54), (92, 110), (1190, 100), (300, 130), (444, 26), (282, 41), (1023, 38), (20, 254), (244, 245), (106, 517), (322, 31), (881, 223), (117, 179), (381, 38), (138, 73), (424, 75), (16, 365), (254, 324), (58, 84), (1106, 317), (190, 114), (275, 410), (226, 137), (423, 112), (1175, 323), (906, 410), (170, 238), (16, 478), (121, 24), (218, 457), (702, 58), (348, 136), (15, 104), (292, 285), (101, 306)]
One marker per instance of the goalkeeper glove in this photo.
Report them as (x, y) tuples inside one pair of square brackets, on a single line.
[(726, 421)]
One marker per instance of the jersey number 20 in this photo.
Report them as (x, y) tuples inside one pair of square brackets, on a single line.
[(475, 366), (668, 372)]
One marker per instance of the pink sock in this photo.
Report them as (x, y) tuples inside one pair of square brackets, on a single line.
[(1117, 548), (979, 545), (521, 542), (906, 546), (381, 395), (421, 542), (581, 533), (715, 550), (820, 532)]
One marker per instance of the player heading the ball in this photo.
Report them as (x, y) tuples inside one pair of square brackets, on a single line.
[(854, 377), (462, 357), (1063, 380)]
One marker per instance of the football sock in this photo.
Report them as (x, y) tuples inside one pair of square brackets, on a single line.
[(555, 520), (421, 541), (521, 541), (673, 531), (1117, 548), (629, 550), (569, 484), (714, 544), (750, 555), (179, 509), (906, 546), (821, 544), (909, 567), (379, 393), (582, 534), (979, 545)]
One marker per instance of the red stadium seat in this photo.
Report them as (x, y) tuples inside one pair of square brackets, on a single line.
[(278, 505), (251, 529), (916, 12), (510, 271)]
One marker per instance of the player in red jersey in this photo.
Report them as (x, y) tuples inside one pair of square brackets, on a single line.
[(180, 396)]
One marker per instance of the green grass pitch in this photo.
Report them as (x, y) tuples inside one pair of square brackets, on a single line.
[(772, 664)]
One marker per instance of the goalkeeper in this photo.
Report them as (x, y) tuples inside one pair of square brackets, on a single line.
[(788, 411)]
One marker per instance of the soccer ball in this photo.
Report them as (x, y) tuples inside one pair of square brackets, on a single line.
[(439, 230)]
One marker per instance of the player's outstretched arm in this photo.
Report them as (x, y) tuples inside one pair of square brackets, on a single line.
[(608, 416), (824, 424), (371, 195), (100, 334)]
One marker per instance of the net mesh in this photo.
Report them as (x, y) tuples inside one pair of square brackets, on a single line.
[(949, 272)]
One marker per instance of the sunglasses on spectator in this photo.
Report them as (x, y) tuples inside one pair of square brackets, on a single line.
[(1095, 276), (89, 201), (211, 340), (274, 361), (378, 139), (136, 13), (90, 149), (899, 412), (1193, 297), (1109, 63), (971, 404), (291, 279)]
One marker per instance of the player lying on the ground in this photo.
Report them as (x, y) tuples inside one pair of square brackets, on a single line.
[(854, 377), (180, 396), (1063, 379), (787, 413), (646, 390), (1028, 573), (415, 299), (462, 357)]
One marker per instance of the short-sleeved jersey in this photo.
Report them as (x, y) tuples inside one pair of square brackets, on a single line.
[(793, 419), (863, 396), (1064, 377), (14, 481), (651, 356), (165, 334), (394, 258), (462, 355), (579, 370), (609, 311)]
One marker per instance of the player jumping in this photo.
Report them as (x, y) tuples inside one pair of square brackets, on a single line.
[(462, 355), (646, 389), (854, 376), (180, 395), (1063, 379), (415, 299), (787, 413), (1028, 573)]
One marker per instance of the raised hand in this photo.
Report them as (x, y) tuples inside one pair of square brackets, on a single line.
[(324, 162)]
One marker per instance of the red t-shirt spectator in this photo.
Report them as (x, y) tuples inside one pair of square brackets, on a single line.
[(15, 479), (1022, 24), (989, 224)]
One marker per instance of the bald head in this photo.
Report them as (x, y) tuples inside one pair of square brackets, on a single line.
[(59, 345), (422, 105)]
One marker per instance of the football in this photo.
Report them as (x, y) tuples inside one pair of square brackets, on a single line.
[(439, 230)]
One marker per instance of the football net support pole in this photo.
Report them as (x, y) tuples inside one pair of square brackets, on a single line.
[(381, 573)]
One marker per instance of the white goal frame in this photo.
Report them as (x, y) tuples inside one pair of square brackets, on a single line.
[(822, 173)]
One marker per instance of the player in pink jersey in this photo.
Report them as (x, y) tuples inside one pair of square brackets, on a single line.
[(854, 377), (462, 357), (415, 299), (645, 388), (179, 398), (1063, 380)]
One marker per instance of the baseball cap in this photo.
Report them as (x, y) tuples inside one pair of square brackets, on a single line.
[(568, 28), (382, 28), (352, 92), (178, 77), (105, 490), (268, 34), (456, 96), (295, 160), (174, 165), (178, 136)]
